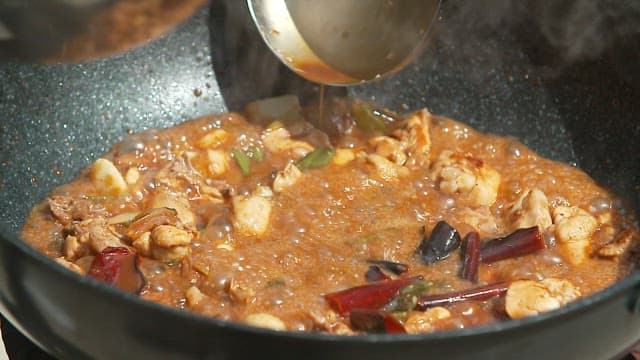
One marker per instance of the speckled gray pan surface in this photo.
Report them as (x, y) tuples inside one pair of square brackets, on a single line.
[(500, 76)]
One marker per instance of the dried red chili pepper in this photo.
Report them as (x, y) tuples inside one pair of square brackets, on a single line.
[(375, 274), (394, 267), (437, 246), (471, 256), (371, 296), (518, 243), (479, 293), (118, 266)]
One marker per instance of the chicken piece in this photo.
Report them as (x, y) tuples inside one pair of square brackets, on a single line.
[(252, 213), (423, 321), (107, 178), (73, 249), (178, 173), (619, 245), (143, 244), (470, 177), (67, 209), (90, 235), (389, 148), (531, 209), (409, 145), (330, 323), (169, 244), (574, 228), (266, 321), (343, 156), (528, 297), (286, 178), (416, 138), (240, 294), (194, 296), (163, 198), (69, 265), (386, 169), (132, 176), (218, 162), (480, 219), (213, 139), (279, 140)]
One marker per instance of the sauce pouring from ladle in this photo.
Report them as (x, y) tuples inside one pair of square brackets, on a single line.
[(344, 42)]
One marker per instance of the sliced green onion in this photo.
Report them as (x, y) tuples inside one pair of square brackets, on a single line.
[(407, 297), (367, 118), (255, 153), (317, 158), (243, 161)]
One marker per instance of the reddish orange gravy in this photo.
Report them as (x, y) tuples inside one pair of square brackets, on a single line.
[(322, 228), (315, 71)]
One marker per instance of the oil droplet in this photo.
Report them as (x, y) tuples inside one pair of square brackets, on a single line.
[(197, 92)]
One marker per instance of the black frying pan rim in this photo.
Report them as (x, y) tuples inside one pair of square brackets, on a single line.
[(583, 304)]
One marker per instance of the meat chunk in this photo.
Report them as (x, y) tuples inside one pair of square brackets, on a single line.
[(169, 244), (252, 213), (480, 219), (619, 245), (132, 176), (574, 228), (329, 321), (389, 148), (409, 145), (475, 181), (194, 296), (416, 138), (91, 234), (239, 293), (386, 169), (218, 162), (213, 139), (286, 178), (67, 209), (528, 297), (423, 321), (107, 178), (279, 141), (266, 321), (179, 173), (343, 156), (531, 209), (69, 265), (163, 198)]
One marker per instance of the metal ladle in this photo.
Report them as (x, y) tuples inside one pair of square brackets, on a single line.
[(344, 42)]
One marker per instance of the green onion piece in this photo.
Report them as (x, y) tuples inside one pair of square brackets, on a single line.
[(367, 118), (243, 161), (256, 153), (317, 158), (407, 297), (276, 283)]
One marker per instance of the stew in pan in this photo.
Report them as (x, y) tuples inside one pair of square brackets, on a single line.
[(367, 221)]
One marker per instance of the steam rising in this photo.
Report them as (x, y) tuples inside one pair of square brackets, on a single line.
[(575, 29)]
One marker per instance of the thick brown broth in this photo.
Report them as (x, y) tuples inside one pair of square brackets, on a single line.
[(324, 226)]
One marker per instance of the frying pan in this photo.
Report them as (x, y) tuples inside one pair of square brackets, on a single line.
[(498, 73)]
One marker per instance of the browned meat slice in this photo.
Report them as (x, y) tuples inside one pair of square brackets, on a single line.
[(67, 209), (90, 235)]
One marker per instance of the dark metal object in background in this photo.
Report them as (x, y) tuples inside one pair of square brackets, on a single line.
[(81, 30), (499, 76), (344, 42)]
